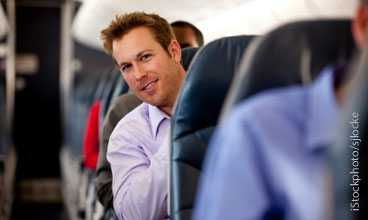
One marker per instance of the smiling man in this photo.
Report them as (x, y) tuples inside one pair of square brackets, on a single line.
[(145, 50)]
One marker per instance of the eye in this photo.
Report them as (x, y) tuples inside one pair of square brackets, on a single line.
[(145, 57), (125, 67)]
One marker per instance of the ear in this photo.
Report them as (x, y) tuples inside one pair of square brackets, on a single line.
[(175, 50), (360, 25)]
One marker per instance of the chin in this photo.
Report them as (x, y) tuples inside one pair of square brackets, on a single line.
[(150, 101)]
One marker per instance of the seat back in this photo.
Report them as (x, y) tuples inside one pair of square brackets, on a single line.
[(292, 54), (187, 55), (196, 114), (116, 87), (3, 126)]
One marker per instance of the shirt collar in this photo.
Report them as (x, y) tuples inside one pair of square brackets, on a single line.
[(322, 109), (156, 116)]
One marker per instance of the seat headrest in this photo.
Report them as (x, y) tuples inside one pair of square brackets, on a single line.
[(187, 55), (292, 54), (207, 83)]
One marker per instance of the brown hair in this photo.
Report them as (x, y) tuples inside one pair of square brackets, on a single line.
[(159, 27)]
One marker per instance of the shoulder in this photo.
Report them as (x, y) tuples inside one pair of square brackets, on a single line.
[(276, 104), (130, 129), (261, 122), (119, 107), (267, 118), (138, 116)]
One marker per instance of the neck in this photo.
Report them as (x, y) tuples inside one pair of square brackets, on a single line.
[(171, 102), (345, 88), (167, 110), (339, 94), (170, 106)]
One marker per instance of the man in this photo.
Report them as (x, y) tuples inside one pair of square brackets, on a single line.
[(145, 50), (187, 34), (268, 160)]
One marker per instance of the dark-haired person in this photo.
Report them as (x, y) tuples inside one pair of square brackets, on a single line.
[(187, 34), (269, 158), (148, 56)]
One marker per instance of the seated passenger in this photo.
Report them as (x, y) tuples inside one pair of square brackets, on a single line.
[(145, 50), (187, 34), (268, 160)]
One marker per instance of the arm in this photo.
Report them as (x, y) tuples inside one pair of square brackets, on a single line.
[(139, 182), (119, 107)]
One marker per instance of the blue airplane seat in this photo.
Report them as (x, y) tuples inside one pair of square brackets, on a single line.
[(118, 86), (291, 54), (196, 114), (187, 55), (3, 128), (83, 97), (88, 89), (105, 84)]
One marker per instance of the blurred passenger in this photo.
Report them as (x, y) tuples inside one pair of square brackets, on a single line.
[(268, 160), (187, 34), (145, 50)]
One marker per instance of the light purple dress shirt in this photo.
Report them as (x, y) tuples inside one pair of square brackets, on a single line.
[(139, 164)]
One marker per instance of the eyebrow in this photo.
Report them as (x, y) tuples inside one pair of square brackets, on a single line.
[(137, 56)]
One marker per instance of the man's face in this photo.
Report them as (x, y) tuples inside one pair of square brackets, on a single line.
[(152, 74), (185, 36)]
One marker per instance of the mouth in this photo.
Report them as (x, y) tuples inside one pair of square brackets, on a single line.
[(150, 85)]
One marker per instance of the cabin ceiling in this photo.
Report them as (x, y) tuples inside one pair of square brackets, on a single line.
[(95, 15), (215, 18)]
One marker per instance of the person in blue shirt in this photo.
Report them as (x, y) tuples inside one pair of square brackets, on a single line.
[(268, 159)]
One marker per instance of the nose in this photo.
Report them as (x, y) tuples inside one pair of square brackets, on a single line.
[(139, 72)]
